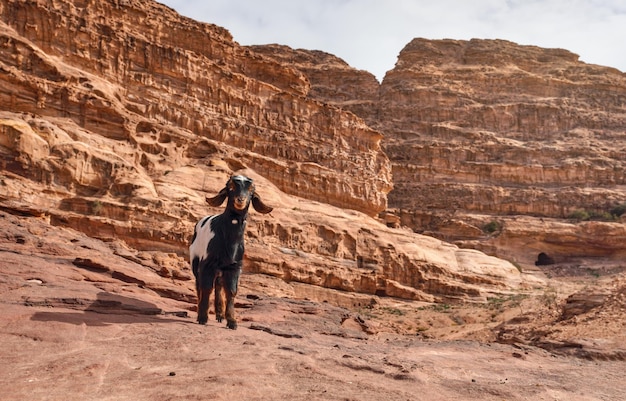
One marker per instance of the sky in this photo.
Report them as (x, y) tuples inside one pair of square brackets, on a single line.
[(369, 34)]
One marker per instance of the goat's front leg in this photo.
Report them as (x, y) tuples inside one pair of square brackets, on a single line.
[(230, 282), (219, 298), (204, 286), (203, 304)]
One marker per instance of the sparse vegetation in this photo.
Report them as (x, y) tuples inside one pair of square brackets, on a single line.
[(619, 210), (394, 311), (598, 215), (579, 215), (492, 227), (495, 302), (367, 312), (549, 298), (511, 301), (439, 307), (97, 207), (594, 273)]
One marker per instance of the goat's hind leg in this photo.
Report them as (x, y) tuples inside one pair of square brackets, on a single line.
[(219, 298)]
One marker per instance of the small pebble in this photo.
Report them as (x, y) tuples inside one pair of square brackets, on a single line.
[(172, 373)]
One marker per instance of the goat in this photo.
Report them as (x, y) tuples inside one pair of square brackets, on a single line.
[(217, 248)]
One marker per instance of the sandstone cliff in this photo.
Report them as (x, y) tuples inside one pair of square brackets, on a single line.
[(497, 129), (520, 128), (480, 131), (120, 117), (128, 71)]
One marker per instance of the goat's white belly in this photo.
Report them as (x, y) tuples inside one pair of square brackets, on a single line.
[(204, 234)]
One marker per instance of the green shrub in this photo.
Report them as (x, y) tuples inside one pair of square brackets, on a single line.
[(619, 210), (602, 216), (580, 215), (599, 215), (492, 227), (97, 207)]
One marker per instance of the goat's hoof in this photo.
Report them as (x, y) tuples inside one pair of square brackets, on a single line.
[(231, 324), (219, 318), (202, 320)]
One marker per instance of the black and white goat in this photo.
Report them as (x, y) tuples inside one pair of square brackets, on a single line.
[(217, 248)]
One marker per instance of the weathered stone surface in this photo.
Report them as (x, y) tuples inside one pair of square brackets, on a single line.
[(331, 80), (491, 127), (118, 129), (70, 332), (484, 129), (521, 239), (130, 71), (117, 118), (581, 303)]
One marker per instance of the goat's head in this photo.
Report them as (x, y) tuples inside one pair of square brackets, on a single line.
[(240, 192)]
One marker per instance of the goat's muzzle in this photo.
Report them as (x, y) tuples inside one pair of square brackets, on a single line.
[(240, 203)]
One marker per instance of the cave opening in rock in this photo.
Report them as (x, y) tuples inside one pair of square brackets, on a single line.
[(543, 259)]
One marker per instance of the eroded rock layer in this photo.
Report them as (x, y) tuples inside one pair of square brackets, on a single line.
[(126, 70), (503, 129), (119, 117), (481, 131), (493, 128)]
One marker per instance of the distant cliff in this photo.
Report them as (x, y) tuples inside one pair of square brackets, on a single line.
[(485, 133)]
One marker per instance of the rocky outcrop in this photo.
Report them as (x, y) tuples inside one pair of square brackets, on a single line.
[(331, 80), (503, 129), (522, 239), (84, 319), (480, 131), (130, 70), (492, 128), (91, 189), (122, 116)]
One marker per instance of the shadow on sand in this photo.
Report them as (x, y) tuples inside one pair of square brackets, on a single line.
[(108, 309)]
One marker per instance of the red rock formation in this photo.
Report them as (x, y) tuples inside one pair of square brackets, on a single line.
[(493, 128), (492, 115), (125, 70), (484, 129), (331, 79), (122, 116), (118, 117)]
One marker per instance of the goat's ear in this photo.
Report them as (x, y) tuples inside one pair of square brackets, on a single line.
[(259, 206), (218, 199)]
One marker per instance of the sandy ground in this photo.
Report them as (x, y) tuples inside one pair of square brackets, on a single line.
[(286, 350), (85, 331)]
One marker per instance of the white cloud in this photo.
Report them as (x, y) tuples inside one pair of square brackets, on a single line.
[(369, 34)]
